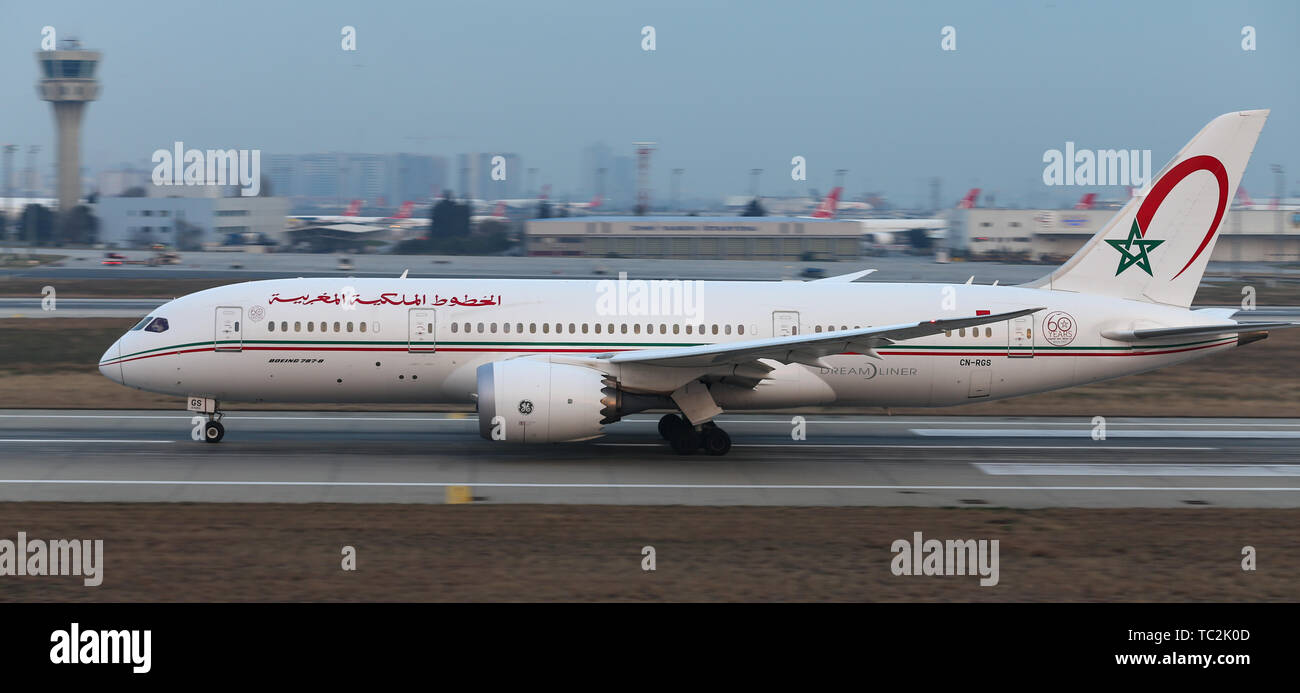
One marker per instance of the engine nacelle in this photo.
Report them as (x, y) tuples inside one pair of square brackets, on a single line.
[(541, 402)]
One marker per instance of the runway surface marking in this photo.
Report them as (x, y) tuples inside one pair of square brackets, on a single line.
[(497, 484), (1056, 469), (1080, 446), (1084, 427), (79, 440), (1078, 432)]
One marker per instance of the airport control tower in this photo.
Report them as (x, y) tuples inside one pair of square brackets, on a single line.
[(68, 82)]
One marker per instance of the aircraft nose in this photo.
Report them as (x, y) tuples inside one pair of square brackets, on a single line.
[(109, 364)]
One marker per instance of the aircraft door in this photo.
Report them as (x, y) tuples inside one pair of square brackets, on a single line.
[(420, 325), (785, 323), (229, 330), (1020, 337)]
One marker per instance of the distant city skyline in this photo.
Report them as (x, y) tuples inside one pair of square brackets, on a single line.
[(858, 86)]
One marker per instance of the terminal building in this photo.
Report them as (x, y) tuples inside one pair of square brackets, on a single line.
[(203, 216), (691, 237), (1053, 235)]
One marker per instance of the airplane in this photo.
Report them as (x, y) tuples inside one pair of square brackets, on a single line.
[(559, 360), (349, 215), (1088, 201), (826, 210), (971, 199)]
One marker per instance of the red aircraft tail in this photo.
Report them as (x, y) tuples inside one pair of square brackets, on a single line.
[(968, 202), (826, 210)]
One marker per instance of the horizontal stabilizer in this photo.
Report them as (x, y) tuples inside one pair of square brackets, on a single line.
[(1194, 331)]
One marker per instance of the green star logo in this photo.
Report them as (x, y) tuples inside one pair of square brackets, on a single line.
[(1126, 247)]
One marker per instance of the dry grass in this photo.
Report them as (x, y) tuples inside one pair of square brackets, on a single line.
[(267, 552)]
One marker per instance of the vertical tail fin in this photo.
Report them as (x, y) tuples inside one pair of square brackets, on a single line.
[(969, 201), (1086, 202), (826, 210), (1156, 247)]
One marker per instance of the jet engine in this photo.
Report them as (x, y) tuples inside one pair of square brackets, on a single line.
[(536, 401)]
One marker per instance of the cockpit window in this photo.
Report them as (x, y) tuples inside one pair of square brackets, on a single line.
[(140, 325), (158, 325)]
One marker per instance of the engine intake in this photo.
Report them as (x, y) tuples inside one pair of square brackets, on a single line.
[(535, 401)]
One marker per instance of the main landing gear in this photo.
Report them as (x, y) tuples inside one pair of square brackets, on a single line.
[(686, 439)]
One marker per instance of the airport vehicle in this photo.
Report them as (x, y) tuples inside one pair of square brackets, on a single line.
[(558, 360)]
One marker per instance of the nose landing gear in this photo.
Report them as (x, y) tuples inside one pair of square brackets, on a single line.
[(212, 431), (685, 439)]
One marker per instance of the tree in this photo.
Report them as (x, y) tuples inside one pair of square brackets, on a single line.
[(754, 209), (189, 237), (449, 218), (79, 227), (36, 226)]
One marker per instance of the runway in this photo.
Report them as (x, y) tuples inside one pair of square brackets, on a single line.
[(941, 461)]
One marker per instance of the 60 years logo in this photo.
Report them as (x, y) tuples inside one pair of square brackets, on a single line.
[(1059, 328)]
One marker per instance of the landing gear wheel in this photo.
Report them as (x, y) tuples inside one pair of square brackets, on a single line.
[(685, 441), (670, 425), (213, 432), (715, 441)]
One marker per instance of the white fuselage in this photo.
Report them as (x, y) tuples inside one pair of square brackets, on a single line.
[(421, 340)]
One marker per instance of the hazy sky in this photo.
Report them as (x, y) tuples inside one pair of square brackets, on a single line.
[(731, 86)]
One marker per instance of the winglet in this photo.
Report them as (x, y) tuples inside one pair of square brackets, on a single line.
[(404, 274), (843, 278)]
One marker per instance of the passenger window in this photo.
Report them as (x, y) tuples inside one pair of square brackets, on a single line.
[(597, 326), (297, 326), (519, 327), (715, 328), (480, 328), (311, 326), (349, 327), (505, 327), (546, 328), (988, 332), (572, 328), (688, 329), (623, 328), (611, 328), (961, 332), (559, 328), (817, 328), (636, 328), (532, 328), (284, 326), (455, 326), (270, 326), (727, 329), (663, 328), (677, 328), (362, 327), (584, 328), (493, 328), (337, 327), (740, 329)]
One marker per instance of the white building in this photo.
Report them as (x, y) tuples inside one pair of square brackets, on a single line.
[(1052, 235), (200, 218)]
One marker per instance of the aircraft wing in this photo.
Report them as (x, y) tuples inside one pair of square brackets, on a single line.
[(1194, 331), (806, 348)]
